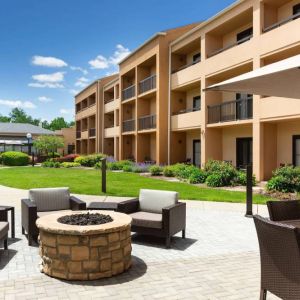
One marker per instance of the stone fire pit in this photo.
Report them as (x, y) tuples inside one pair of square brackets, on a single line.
[(90, 252)]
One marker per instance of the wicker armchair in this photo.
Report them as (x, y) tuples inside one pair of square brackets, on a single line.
[(280, 259), (45, 201), (4, 227), (284, 210), (156, 213)]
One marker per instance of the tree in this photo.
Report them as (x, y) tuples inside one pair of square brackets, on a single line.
[(48, 143), (58, 123), (4, 119), (18, 115)]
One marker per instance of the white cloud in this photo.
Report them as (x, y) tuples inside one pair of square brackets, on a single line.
[(73, 91), (48, 61), (65, 111), (102, 62), (17, 103), (46, 85), (54, 77), (84, 71), (44, 99), (81, 82)]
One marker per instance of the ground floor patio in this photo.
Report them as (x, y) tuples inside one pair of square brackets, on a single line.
[(219, 259)]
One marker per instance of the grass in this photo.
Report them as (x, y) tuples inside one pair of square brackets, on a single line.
[(84, 181)]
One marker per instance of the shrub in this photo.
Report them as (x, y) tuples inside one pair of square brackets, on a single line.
[(197, 176), (1, 161), (168, 171), (67, 158), (214, 180), (155, 170), (179, 169), (13, 158), (241, 178), (51, 164), (69, 164), (89, 160), (127, 168), (285, 179), (141, 168)]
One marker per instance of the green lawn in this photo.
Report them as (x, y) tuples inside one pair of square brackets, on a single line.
[(118, 184)]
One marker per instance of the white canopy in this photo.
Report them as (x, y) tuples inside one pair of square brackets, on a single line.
[(280, 79)]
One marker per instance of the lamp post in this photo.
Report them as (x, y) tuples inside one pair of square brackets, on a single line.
[(29, 140)]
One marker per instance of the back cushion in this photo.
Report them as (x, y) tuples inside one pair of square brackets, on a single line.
[(154, 201), (50, 198)]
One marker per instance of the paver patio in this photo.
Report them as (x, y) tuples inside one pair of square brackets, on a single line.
[(218, 260)]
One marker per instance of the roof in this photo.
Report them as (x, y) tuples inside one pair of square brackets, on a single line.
[(23, 128)]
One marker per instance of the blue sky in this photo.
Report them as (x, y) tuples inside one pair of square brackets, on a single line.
[(51, 49)]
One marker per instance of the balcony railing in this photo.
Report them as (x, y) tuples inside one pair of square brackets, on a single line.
[(147, 84), (92, 132), (78, 134), (128, 92), (241, 41), (188, 110), (231, 111), (282, 22), (187, 65), (147, 122), (129, 125)]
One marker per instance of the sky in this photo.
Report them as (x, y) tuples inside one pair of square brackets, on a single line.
[(52, 49)]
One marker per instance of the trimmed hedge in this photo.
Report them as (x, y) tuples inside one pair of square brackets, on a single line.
[(14, 158), (89, 160)]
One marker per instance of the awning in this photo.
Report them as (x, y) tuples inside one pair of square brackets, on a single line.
[(280, 79)]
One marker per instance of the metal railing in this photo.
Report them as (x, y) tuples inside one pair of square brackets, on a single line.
[(187, 65), (241, 109), (187, 110), (241, 41), (128, 92), (147, 122), (78, 134), (282, 22), (129, 125), (92, 132), (147, 84)]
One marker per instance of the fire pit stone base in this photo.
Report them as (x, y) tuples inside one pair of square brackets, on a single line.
[(85, 255)]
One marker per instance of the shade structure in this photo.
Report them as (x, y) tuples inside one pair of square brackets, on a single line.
[(280, 79)]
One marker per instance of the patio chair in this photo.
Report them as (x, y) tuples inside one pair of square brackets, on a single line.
[(46, 201), (156, 213), (280, 259), (284, 210), (4, 227)]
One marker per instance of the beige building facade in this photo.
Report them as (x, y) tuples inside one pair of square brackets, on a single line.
[(163, 114)]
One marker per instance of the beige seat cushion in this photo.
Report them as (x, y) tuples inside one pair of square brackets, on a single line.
[(46, 213), (4, 226), (146, 219), (154, 201), (48, 199)]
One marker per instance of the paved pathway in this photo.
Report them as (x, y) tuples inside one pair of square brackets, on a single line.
[(218, 260)]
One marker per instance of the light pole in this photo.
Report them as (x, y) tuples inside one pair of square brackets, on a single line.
[(29, 140)]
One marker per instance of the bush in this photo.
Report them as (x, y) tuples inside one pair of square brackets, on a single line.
[(127, 168), (1, 161), (51, 164), (241, 178), (89, 160), (141, 168), (67, 158), (197, 176), (70, 164), (285, 179), (155, 170), (13, 158), (168, 171), (214, 180)]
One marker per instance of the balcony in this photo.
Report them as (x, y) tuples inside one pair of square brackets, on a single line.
[(282, 22), (84, 134), (111, 132), (186, 120), (231, 111), (111, 106), (128, 93), (239, 42), (147, 122), (78, 134), (92, 132), (129, 125), (147, 84), (187, 65)]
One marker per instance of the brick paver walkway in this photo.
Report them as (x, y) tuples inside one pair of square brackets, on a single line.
[(218, 260)]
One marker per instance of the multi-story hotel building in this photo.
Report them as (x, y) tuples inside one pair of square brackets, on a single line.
[(165, 114)]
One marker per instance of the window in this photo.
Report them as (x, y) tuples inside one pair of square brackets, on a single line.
[(296, 10), (244, 35), (196, 58), (196, 103), (296, 150)]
